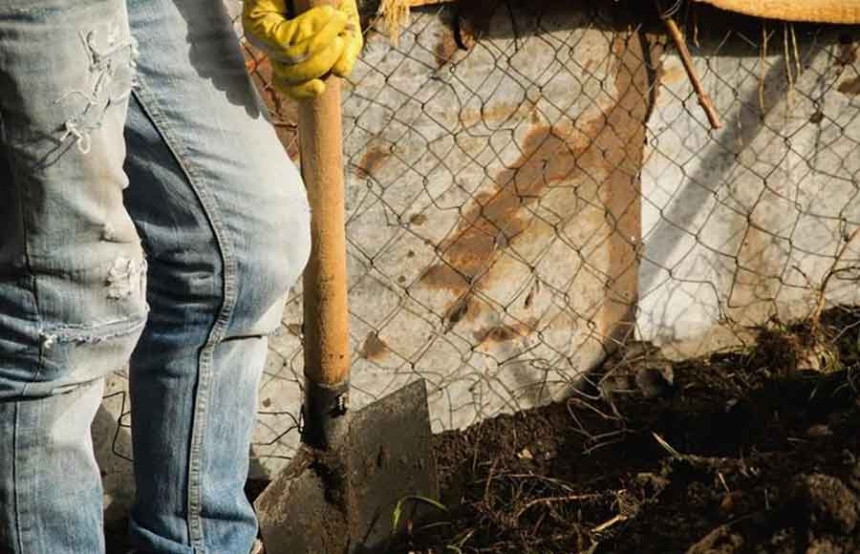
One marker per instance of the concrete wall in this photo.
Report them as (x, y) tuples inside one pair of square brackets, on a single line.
[(744, 223)]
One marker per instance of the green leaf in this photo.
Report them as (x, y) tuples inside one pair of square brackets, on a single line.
[(398, 508)]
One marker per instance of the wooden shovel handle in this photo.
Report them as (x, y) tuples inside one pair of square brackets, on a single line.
[(325, 289)]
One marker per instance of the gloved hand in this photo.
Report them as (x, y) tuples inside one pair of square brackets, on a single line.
[(353, 39), (307, 47)]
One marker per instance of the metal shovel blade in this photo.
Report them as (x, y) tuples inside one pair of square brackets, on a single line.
[(342, 501)]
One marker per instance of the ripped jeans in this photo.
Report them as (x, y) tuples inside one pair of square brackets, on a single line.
[(149, 216)]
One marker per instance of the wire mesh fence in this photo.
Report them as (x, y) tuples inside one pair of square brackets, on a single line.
[(533, 185)]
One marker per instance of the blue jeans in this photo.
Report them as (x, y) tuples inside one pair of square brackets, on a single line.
[(149, 215)]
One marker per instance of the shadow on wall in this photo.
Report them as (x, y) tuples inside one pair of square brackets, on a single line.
[(735, 137), (752, 279)]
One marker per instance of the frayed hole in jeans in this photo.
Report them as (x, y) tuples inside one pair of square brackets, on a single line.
[(126, 277), (112, 66)]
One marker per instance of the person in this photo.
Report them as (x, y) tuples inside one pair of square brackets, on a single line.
[(149, 215)]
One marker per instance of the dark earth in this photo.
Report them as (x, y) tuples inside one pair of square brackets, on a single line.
[(747, 451), (753, 450)]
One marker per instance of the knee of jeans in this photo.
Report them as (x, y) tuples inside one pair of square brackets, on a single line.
[(272, 261), (89, 320)]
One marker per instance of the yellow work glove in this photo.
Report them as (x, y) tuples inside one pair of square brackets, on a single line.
[(352, 37), (307, 47)]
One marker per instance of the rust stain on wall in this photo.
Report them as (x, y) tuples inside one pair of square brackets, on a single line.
[(445, 49), (622, 140), (371, 161), (374, 348), (671, 75), (607, 147), (441, 276), (494, 218), (505, 333), (464, 309), (493, 113), (418, 219), (850, 87), (847, 51)]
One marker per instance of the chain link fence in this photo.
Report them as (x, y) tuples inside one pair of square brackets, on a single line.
[(533, 185)]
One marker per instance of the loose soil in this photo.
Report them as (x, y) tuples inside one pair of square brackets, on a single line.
[(746, 451)]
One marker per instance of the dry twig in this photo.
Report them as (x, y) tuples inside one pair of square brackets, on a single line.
[(555, 500), (815, 319), (607, 524), (687, 60)]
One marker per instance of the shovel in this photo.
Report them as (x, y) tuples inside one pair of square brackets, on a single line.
[(357, 474)]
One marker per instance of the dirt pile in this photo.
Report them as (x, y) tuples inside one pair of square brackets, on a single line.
[(745, 451)]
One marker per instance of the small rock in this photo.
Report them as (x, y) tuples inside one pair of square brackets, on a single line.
[(612, 384), (729, 503), (721, 540), (854, 478), (653, 383), (652, 483), (819, 431), (831, 504), (824, 546)]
